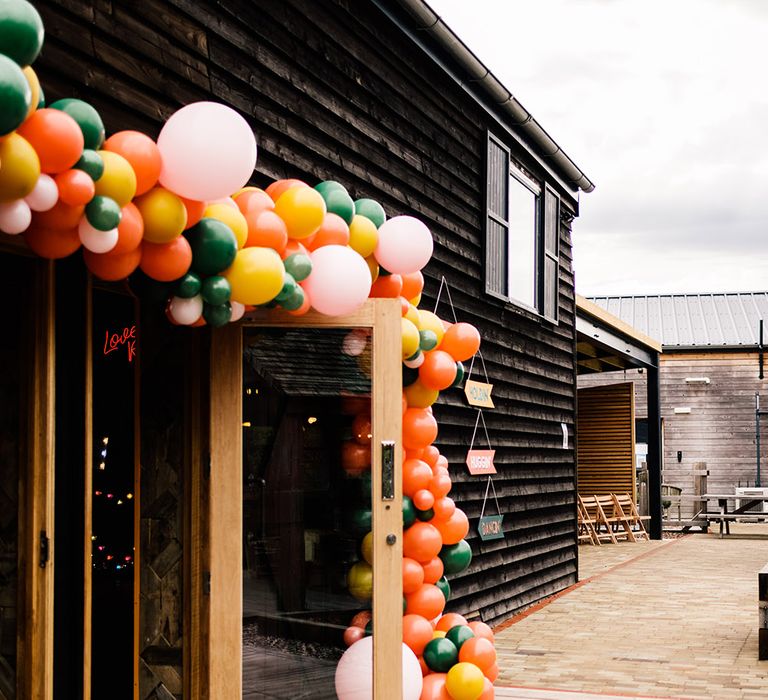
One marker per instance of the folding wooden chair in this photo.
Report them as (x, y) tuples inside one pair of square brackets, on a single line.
[(627, 507), (586, 526), (594, 513), (615, 517)]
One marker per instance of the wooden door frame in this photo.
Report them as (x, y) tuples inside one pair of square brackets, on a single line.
[(221, 618)]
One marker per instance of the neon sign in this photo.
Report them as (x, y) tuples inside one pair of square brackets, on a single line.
[(117, 340)]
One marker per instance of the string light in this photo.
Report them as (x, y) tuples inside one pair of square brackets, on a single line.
[(129, 496)]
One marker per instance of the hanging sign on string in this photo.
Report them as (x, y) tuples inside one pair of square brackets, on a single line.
[(490, 527), (478, 393), (480, 462)]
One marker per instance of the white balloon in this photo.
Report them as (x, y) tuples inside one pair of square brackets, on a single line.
[(340, 280), (416, 362), (208, 151), (186, 311), (238, 310), (94, 240), (404, 245), (354, 673), (15, 217), (354, 342), (44, 195)]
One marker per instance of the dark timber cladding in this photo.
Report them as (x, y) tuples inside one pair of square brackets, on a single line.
[(335, 90)]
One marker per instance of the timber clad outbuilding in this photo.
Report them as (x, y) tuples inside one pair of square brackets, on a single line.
[(380, 96)]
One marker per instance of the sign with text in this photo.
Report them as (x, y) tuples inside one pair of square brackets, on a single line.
[(489, 527), (126, 338), (480, 462), (478, 393)]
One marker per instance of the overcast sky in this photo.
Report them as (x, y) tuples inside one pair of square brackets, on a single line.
[(664, 105)]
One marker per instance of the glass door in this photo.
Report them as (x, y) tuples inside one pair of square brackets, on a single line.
[(318, 531)]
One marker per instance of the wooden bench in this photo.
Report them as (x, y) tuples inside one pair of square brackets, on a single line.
[(762, 632)]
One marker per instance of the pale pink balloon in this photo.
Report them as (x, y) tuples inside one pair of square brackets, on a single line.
[(186, 311), (340, 280), (208, 150), (15, 216), (405, 245), (44, 195), (95, 240)]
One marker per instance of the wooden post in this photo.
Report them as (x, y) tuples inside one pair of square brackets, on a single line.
[(762, 632), (654, 452)]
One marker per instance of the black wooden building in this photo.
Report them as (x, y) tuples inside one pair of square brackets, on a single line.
[(381, 96)]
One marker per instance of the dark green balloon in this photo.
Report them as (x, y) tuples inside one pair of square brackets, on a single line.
[(361, 519), (409, 512), (298, 266), (366, 485), (103, 213), (21, 31), (410, 375), (460, 633), (15, 94), (213, 244), (456, 557), (189, 286), (428, 340), (327, 186), (340, 203), (460, 372), (414, 356), (445, 589), (217, 315), (294, 301), (369, 628), (216, 290), (288, 290), (92, 163), (87, 118), (372, 210), (425, 515), (440, 654)]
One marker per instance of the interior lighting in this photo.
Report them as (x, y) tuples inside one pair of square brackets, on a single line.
[(129, 496), (105, 441), (102, 466), (311, 420), (247, 424)]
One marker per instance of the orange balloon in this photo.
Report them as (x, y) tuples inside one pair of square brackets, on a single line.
[(61, 216), (492, 672), (387, 287), (305, 306), (449, 620), (130, 230), (353, 634), (333, 231), (404, 305), (413, 284), (455, 529), (481, 629), (423, 499), (416, 476), (422, 542), (75, 187), (443, 508), (428, 601), (279, 186), (440, 485), (252, 200), (430, 455), (361, 429), (166, 262), (461, 341), (112, 266), (438, 370), (434, 687), (419, 428), (424, 668), (417, 632), (141, 152), (478, 651), (266, 229), (294, 248), (355, 458), (195, 210), (488, 691), (361, 619), (413, 575), (56, 138), (53, 243), (433, 570)]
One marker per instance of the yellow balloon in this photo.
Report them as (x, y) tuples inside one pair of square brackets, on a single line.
[(437, 634), (164, 214), (34, 86), (464, 681), (416, 300), (118, 180), (232, 217), (360, 581), (411, 338), (302, 209), (19, 167), (419, 396), (363, 235), (366, 548), (413, 316), (373, 266), (256, 275), (430, 322)]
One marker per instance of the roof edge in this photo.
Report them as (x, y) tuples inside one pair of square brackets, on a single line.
[(589, 308)]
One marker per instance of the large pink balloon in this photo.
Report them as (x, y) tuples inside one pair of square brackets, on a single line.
[(340, 280), (354, 674), (404, 245), (208, 151)]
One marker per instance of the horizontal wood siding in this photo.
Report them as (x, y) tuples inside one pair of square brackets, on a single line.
[(333, 90), (606, 439)]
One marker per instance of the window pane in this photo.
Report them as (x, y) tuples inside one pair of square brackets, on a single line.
[(522, 243)]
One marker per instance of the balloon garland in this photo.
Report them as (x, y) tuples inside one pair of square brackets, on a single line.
[(177, 214)]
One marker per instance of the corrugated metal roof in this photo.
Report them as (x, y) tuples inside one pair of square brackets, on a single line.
[(693, 320)]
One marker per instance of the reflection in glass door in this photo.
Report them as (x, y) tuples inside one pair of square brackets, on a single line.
[(306, 505)]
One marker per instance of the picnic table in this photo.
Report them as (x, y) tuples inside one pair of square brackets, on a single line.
[(744, 511)]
